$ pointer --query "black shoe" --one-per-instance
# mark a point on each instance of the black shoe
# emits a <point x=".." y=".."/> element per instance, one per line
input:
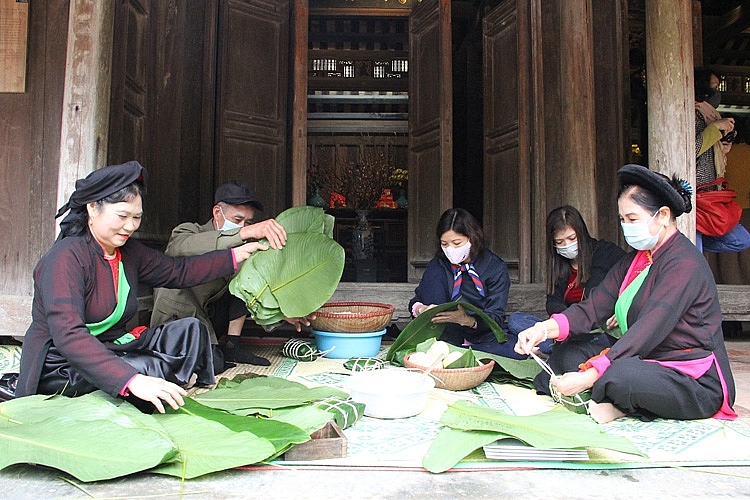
<point x="8" y="383"/>
<point x="220" y="364"/>
<point x="236" y="353"/>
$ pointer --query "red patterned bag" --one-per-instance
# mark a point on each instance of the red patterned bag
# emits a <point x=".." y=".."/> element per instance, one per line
<point x="716" y="212"/>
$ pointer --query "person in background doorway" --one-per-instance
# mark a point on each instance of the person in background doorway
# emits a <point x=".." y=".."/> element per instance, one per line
<point x="712" y="132"/>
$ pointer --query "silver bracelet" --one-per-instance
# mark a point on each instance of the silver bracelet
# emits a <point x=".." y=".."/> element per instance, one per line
<point x="544" y="327"/>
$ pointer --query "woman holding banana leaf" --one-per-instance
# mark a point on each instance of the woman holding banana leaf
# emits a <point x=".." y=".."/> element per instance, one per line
<point x="85" y="292"/>
<point x="465" y="270"/>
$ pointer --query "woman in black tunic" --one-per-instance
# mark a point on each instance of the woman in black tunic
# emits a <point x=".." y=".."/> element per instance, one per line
<point x="670" y="361"/>
<point x="85" y="292"/>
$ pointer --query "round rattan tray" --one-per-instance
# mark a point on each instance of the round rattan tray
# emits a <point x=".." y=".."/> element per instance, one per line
<point x="456" y="379"/>
<point x="352" y="317"/>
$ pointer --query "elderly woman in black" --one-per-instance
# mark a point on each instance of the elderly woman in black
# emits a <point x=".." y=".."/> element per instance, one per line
<point x="670" y="361"/>
<point x="85" y="292"/>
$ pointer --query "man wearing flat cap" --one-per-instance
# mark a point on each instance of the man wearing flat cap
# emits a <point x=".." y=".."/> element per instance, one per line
<point x="233" y="223"/>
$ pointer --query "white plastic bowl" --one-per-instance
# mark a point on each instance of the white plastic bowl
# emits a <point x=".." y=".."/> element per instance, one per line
<point x="390" y="393"/>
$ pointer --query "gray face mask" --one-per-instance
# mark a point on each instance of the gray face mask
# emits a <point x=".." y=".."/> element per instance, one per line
<point x="569" y="252"/>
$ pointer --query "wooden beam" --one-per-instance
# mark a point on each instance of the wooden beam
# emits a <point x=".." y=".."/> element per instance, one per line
<point x="671" y="113"/>
<point x="577" y="89"/>
<point x="298" y="136"/>
<point x="86" y="98"/>
<point x="729" y="25"/>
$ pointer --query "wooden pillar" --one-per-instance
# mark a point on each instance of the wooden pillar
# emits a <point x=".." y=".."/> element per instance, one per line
<point x="577" y="87"/>
<point x="86" y="96"/>
<point x="298" y="138"/>
<point x="671" y="109"/>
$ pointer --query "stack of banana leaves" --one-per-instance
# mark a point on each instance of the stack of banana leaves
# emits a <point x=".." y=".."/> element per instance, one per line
<point x="299" y="278"/>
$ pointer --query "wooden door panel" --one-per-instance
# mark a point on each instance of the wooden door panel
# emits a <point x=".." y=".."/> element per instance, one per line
<point x="251" y="137"/>
<point x="502" y="179"/>
<point x="130" y="90"/>
<point x="430" y="128"/>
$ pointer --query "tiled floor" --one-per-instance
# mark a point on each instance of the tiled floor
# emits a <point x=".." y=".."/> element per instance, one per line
<point x="739" y="357"/>
<point x="24" y="482"/>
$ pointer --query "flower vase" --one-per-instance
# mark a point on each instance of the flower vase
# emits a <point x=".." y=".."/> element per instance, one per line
<point x="362" y="237"/>
<point x="401" y="200"/>
<point x="316" y="200"/>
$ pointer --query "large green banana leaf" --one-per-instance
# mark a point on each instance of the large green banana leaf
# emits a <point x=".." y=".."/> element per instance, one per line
<point x="296" y="280"/>
<point x="306" y="219"/>
<point x="421" y="328"/>
<point x="301" y="277"/>
<point x="206" y="446"/>
<point x="96" y="437"/>
<point x="557" y="428"/>
<point x="280" y="434"/>
<point x="79" y="437"/>
<point x="254" y="395"/>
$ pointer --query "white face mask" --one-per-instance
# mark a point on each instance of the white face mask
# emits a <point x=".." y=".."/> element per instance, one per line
<point x="456" y="255"/>
<point x="228" y="225"/>
<point x="638" y="235"/>
<point x="568" y="251"/>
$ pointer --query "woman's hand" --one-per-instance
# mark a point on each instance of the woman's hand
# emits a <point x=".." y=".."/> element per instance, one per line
<point x="156" y="390"/>
<point x="725" y="125"/>
<point x="458" y="316"/>
<point x="530" y="338"/>
<point x="612" y="322"/>
<point x="574" y="382"/>
<point x="298" y="323"/>
<point x="242" y="252"/>
<point x="419" y="310"/>
<point x="268" y="229"/>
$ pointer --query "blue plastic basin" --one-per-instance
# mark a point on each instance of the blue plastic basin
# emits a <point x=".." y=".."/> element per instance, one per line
<point x="349" y="345"/>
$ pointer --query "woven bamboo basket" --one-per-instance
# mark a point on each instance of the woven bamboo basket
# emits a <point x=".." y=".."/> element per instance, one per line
<point x="352" y="317"/>
<point x="456" y="379"/>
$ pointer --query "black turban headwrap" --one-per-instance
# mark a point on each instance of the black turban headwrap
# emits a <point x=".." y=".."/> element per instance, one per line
<point x="94" y="187"/>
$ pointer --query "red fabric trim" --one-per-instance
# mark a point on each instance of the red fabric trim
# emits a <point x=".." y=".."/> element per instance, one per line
<point x="592" y="362"/>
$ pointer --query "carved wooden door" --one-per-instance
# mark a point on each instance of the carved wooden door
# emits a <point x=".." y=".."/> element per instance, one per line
<point x="251" y="98"/>
<point x="509" y="169"/>
<point x="430" y="128"/>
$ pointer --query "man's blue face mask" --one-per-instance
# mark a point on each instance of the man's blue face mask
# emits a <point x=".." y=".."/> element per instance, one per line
<point x="228" y="225"/>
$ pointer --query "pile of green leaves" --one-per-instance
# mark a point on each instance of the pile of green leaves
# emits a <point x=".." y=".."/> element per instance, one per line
<point x="469" y="427"/>
<point x="296" y="280"/>
<point x="96" y="437"/>
<point x="421" y="329"/>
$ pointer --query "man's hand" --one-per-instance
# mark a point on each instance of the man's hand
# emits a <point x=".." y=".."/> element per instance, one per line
<point x="298" y="323"/>
<point x="269" y="229"/>
<point x="156" y="390"/>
